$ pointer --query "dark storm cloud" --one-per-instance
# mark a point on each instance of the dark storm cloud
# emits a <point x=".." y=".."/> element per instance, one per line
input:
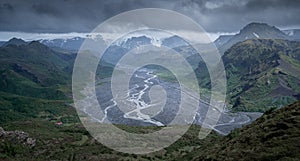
<point x="231" y="15"/>
<point x="83" y="16"/>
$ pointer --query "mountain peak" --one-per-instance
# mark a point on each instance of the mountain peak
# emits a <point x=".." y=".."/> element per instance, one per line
<point x="253" y="30"/>
<point x="257" y="30"/>
<point x="257" y="24"/>
<point x="38" y="45"/>
<point x="260" y="28"/>
<point x="15" y="41"/>
<point x="174" y="41"/>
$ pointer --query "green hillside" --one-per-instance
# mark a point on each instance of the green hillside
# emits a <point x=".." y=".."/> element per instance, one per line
<point x="262" y="74"/>
<point x="35" y="81"/>
<point x="35" y="93"/>
<point x="35" y="62"/>
<point x="274" y="136"/>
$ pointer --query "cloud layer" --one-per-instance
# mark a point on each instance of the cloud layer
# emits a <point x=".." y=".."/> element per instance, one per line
<point x="58" y="16"/>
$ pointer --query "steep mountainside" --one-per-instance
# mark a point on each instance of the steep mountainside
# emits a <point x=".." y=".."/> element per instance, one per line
<point x="274" y="136"/>
<point x="35" y="62"/>
<point x="263" y="74"/>
<point x="34" y="81"/>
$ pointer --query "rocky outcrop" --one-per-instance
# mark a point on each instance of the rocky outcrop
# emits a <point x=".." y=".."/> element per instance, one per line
<point x="17" y="136"/>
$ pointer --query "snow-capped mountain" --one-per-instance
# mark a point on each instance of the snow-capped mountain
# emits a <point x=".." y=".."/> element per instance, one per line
<point x="68" y="44"/>
<point x="294" y="34"/>
<point x="121" y="46"/>
<point x="130" y="41"/>
<point x="221" y="40"/>
<point x="174" y="41"/>
<point x="73" y="43"/>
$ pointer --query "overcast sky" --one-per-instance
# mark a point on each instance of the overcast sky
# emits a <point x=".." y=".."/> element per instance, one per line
<point x="64" y="16"/>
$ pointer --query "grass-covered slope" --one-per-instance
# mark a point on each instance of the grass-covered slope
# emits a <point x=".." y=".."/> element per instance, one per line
<point x="35" y="82"/>
<point x="34" y="96"/>
<point x="262" y="74"/>
<point x="73" y="142"/>
<point x="274" y="136"/>
<point x="13" y="82"/>
<point x="35" y="62"/>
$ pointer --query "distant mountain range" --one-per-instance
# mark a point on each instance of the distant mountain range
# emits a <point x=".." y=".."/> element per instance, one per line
<point x="224" y="42"/>
<point x="262" y="65"/>
<point x="127" y="43"/>
<point x="294" y="34"/>
<point x="67" y="44"/>
<point x="122" y="46"/>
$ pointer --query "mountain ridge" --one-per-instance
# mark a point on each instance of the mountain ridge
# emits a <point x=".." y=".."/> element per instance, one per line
<point x="14" y="41"/>
<point x="253" y="30"/>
